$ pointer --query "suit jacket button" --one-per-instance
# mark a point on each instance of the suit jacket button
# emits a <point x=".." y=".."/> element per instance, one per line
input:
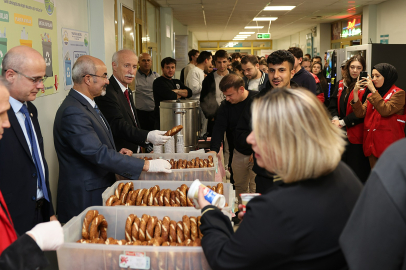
<point x="33" y="198"/>
<point x="34" y="175"/>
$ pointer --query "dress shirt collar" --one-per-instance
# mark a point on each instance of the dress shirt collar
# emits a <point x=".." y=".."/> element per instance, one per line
<point x="91" y="102"/>
<point x="123" y="88"/>
<point x="15" y="104"/>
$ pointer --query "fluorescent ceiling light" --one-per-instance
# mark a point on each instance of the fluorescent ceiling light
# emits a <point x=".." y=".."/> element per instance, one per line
<point x="279" y="7"/>
<point x="242" y="35"/>
<point x="238" y="38"/>
<point x="127" y="29"/>
<point x="253" y="27"/>
<point x="246" y="33"/>
<point x="265" y="18"/>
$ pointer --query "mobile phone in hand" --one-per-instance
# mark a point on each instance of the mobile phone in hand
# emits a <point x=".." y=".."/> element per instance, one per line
<point x="363" y="74"/>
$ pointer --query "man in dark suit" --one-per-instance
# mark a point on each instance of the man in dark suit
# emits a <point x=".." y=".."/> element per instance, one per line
<point x="23" y="169"/>
<point x="118" y="107"/>
<point x="88" y="160"/>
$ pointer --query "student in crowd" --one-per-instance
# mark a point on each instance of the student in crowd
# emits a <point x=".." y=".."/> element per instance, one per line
<point x="308" y="56"/>
<point x="193" y="55"/>
<point x="383" y="110"/>
<point x="344" y="117"/>
<point x="306" y="64"/>
<point x="297" y="224"/>
<point x="316" y="59"/>
<point x="263" y="66"/>
<point x="167" y="88"/>
<point x="254" y="78"/>
<point x="302" y="77"/>
<point x="237" y="69"/>
<point x="316" y="71"/>
<point x="194" y="82"/>
<point x="236" y="57"/>
<point x="227" y="118"/>
<point x="280" y="72"/>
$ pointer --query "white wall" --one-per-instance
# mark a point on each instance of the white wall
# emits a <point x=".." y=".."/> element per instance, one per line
<point x="391" y="21"/>
<point x="70" y="14"/>
<point x="298" y="39"/>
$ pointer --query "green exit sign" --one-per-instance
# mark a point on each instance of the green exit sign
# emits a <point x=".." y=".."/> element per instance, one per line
<point x="263" y="36"/>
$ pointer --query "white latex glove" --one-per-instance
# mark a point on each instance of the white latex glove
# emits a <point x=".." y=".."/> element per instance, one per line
<point x="48" y="235"/>
<point x="342" y="123"/>
<point x="159" y="165"/>
<point x="156" y="137"/>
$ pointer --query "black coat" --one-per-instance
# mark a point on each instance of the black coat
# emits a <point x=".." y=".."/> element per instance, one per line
<point x="375" y="235"/>
<point x="293" y="226"/>
<point x="115" y="108"/>
<point x="18" y="180"/>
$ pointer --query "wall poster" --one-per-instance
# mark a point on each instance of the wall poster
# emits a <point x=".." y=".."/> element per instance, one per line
<point x="75" y="43"/>
<point x="32" y="23"/>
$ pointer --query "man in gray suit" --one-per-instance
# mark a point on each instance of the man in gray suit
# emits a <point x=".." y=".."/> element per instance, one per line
<point x="88" y="160"/>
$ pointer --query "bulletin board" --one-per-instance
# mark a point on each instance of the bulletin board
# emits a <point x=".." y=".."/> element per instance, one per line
<point x="32" y="23"/>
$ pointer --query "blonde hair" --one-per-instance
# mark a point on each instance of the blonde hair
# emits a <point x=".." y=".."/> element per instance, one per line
<point x="298" y="140"/>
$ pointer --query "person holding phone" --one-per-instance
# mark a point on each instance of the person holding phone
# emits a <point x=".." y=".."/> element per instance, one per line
<point x="344" y="117"/>
<point x="297" y="223"/>
<point x="383" y="110"/>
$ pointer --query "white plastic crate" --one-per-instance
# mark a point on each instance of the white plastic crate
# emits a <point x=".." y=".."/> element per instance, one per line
<point x="204" y="174"/>
<point x="78" y="256"/>
<point x="173" y="185"/>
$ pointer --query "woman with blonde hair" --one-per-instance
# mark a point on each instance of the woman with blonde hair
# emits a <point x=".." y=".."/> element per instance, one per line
<point x="296" y="225"/>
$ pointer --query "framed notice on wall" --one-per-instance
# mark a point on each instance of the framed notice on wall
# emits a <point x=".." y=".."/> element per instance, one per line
<point x="32" y="24"/>
<point x="181" y="51"/>
<point x="75" y="43"/>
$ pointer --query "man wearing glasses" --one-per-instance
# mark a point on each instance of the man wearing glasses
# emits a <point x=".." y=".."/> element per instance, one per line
<point x="88" y="159"/>
<point x="23" y="169"/>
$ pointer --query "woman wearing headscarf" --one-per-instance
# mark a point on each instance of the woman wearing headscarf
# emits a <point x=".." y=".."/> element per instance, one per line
<point x="383" y="110"/>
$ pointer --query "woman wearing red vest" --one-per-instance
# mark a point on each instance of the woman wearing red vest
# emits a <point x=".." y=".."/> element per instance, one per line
<point x="383" y="111"/>
<point x="344" y="117"/>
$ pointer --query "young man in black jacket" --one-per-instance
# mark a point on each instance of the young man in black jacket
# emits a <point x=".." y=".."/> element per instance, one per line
<point x="280" y="70"/>
<point x="166" y="88"/>
<point x="302" y="77"/>
<point x="228" y="115"/>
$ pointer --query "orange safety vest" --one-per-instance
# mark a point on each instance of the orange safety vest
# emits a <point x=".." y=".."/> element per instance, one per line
<point x="355" y="133"/>
<point x="379" y="131"/>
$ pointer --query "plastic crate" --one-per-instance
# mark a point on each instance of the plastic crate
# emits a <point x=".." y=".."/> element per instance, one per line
<point x="78" y="256"/>
<point x="204" y="174"/>
<point x="173" y="185"/>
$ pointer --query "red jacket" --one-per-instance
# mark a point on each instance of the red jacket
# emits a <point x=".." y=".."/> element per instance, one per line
<point x="380" y="132"/>
<point x="7" y="232"/>
<point x="320" y="96"/>
<point x="354" y="133"/>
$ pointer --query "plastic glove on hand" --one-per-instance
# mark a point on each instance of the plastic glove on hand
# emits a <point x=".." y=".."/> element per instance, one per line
<point x="48" y="235"/>
<point x="156" y="137"/>
<point x="159" y="165"/>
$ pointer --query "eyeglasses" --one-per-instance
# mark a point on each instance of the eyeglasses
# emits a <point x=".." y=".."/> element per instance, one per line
<point x="104" y="76"/>
<point x="35" y="80"/>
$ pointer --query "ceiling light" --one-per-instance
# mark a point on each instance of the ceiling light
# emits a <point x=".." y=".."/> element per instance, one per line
<point x="127" y="29"/>
<point x="246" y="33"/>
<point x="242" y="35"/>
<point x="265" y="18"/>
<point x="279" y="7"/>
<point x="253" y="27"/>
<point x="238" y="38"/>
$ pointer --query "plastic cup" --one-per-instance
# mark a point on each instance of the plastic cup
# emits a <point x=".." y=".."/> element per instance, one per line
<point x="211" y="196"/>
<point x="246" y="197"/>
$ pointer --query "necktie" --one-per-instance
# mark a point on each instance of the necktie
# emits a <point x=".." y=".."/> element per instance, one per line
<point x="35" y="155"/>
<point x="100" y="114"/>
<point x="127" y="96"/>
